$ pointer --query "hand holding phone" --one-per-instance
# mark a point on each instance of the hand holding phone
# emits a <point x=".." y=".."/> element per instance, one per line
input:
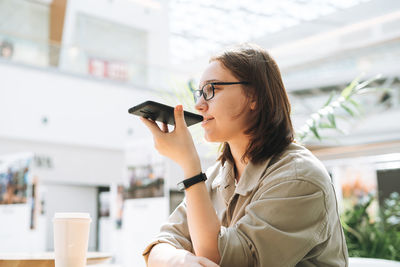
<point x="162" y="113"/>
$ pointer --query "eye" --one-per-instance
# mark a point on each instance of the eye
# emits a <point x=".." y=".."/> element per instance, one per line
<point x="208" y="89"/>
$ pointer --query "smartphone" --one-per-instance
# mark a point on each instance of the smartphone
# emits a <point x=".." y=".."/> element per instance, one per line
<point x="162" y="113"/>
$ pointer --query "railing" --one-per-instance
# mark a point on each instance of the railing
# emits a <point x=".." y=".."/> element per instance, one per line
<point x="75" y="60"/>
<point x="342" y="67"/>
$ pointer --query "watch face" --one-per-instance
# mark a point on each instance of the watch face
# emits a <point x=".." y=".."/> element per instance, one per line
<point x="181" y="186"/>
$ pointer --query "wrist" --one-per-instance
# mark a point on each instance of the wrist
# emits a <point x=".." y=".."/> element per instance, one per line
<point x="191" y="172"/>
<point x="187" y="183"/>
<point x="192" y="169"/>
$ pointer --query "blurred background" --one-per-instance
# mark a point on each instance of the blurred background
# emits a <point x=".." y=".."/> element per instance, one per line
<point x="71" y="69"/>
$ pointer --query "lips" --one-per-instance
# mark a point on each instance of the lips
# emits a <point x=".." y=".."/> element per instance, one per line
<point x="206" y="120"/>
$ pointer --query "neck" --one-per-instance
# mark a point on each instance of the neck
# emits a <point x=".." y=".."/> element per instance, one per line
<point x="238" y="149"/>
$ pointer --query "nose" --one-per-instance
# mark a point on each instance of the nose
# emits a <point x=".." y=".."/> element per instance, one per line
<point x="201" y="105"/>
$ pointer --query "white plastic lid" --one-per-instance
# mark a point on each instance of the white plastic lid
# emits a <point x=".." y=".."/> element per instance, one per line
<point x="71" y="215"/>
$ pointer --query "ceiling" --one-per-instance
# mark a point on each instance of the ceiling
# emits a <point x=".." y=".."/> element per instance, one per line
<point x="199" y="28"/>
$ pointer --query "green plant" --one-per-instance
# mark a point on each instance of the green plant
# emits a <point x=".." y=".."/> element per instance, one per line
<point x="325" y="117"/>
<point x="378" y="238"/>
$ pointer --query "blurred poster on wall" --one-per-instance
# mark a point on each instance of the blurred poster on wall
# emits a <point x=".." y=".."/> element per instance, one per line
<point x="18" y="185"/>
<point x="145" y="181"/>
<point x="114" y="70"/>
<point x="15" y="178"/>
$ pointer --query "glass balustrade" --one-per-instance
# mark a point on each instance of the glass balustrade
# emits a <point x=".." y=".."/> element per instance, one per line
<point x="78" y="61"/>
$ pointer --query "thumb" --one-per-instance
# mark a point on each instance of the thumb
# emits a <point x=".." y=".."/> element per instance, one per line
<point x="179" y="117"/>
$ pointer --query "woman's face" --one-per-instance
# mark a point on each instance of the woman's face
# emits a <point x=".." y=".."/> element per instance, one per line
<point x="225" y="114"/>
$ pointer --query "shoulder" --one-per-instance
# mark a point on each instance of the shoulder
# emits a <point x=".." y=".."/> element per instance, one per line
<point x="296" y="163"/>
<point x="295" y="172"/>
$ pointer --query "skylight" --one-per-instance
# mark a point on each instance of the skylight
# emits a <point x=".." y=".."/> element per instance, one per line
<point x="200" y="27"/>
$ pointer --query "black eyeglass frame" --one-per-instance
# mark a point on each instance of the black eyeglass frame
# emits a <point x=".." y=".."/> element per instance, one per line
<point x="198" y="93"/>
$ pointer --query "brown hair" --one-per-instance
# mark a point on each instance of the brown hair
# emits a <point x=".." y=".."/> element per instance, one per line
<point x="270" y="128"/>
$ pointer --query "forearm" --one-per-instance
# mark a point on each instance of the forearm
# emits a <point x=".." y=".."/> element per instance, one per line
<point x="203" y="223"/>
<point x="160" y="255"/>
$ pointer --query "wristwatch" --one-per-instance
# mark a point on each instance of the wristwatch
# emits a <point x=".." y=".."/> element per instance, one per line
<point x="185" y="184"/>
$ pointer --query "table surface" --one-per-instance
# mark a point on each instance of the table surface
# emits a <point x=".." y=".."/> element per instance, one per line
<point x="44" y="259"/>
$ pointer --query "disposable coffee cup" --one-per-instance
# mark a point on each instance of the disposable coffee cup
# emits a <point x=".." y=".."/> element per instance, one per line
<point x="71" y="238"/>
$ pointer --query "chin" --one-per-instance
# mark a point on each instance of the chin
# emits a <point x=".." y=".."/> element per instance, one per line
<point x="207" y="137"/>
<point x="212" y="139"/>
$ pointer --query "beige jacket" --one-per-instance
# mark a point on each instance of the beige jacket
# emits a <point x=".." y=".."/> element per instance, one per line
<point x="282" y="212"/>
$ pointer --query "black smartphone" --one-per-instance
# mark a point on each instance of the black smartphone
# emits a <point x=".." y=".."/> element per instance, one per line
<point x="162" y="113"/>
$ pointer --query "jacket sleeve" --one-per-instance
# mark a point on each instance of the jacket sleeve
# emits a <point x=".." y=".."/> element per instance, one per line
<point x="174" y="232"/>
<point x="279" y="227"/>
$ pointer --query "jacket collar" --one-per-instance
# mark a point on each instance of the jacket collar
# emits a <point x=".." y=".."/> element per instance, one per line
<point x="250" y="177"/>
<point x="225" y="180"/>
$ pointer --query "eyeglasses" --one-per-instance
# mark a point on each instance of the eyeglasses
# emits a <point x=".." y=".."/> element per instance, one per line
<point x="207" y="91"/>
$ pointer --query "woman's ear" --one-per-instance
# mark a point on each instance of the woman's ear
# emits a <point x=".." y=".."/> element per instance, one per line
<point x="253" y="105"/>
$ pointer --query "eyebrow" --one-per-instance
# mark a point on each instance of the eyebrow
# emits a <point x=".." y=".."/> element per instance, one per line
<point x="208" y="81"/>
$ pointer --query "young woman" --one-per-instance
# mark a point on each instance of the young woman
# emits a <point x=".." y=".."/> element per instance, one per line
<point x="267" y="201"/>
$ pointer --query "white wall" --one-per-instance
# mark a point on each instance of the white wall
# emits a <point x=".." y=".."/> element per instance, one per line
<point x="15" y="234"/>
<point x="80" y="111"/>
<point x="70" y="164"/>
<point x="141" y="222"/>
<point x="130" y="13"/>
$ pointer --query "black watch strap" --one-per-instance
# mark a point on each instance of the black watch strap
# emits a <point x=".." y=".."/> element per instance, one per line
<point x="185" y="184"/>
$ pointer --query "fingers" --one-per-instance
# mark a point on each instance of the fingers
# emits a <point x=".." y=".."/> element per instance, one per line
<point x="152" y="125"/>
<point x="179" y="117"/>
<point x="165" y="127"/>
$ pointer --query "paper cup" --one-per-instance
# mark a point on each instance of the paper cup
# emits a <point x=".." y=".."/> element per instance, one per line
<point x="71" y="238"/>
